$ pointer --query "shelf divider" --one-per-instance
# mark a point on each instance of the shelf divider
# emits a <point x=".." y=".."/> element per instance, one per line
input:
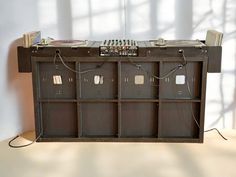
<point x="181" y="100"/>
<point x="78" y="96"/>
<point x="140" y="100"/>
<point x="119" y="98"/>
<point x="203" y="97"/>
<point x="160" y="102"/>
<point x="97" y="100"/>
<point x="57" y="100"/>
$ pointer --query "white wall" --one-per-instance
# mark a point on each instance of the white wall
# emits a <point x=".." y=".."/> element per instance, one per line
<point x="103" y="19"/>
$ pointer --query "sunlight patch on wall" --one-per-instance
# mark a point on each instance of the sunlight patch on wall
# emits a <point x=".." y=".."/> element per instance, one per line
<point x="48" y="17"/>
<point x="80" y="29"/>
<point x="96" y="19"/>
<point x="80" y="19"/>
<point x="139" y="14"/>
<point x="106" y="23"/>
<point x="99" y="6"/>
<point x="106" y="19"/>
<point x="79" y="8"/>
<point x="165" y="18"/>
<point x="221" y="93"/>
<point x="207" y="15"/>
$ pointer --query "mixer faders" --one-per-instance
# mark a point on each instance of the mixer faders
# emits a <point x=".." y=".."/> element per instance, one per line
<point x="119" y="47"/>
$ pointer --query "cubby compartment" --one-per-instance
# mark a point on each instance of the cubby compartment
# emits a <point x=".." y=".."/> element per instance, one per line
<point x="98" y="80"/>
<point x="137" y="81"/>
<point x="119" y="98"/>
<point x="184" y="83"/>
<point x="179" y="120"/>
<point x="56" y="81"/>
<point x="59" y="120"/>
<point x="139" y="119"/>
<point x="99" y="119"/>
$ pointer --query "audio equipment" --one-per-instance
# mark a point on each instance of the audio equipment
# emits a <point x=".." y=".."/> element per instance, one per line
<point x="119" y="47"/>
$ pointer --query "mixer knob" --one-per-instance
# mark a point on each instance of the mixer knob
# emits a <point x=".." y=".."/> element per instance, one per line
<point x="120" y="42"/>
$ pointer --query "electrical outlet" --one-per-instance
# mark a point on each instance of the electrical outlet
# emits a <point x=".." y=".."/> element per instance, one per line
<point x="57" y="80"/>
<point x="180" y="79"/>
<point x="98" y="79"/>
<point x="139" y="79"/>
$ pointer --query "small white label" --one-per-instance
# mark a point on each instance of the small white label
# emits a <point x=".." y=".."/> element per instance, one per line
<point x="139" y="79"/>
<point x="57" y="80"/>
<point x="180" y="79"/>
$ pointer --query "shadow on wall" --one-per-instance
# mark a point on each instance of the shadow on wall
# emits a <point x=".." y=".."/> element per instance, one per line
<point x="21" y="85"/>
<point x="228" y="9"/>
<point x="161" y="24"/>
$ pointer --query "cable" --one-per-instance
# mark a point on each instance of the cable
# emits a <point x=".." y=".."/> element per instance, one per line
<point x="21" y="146"/>
<point x="217" y="132"/>
<point x="57" y="54"/>
<point x="189" y="91"/>
<point x="188" y="88"/>
<point x="181" y="51"/>
<point x="172" y="71"/>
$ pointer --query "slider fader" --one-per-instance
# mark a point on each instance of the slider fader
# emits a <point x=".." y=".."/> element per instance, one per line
<point x="118" y="47"/>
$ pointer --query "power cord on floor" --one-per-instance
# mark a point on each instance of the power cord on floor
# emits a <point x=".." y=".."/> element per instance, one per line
<point x="217" y="132"/>
<point x="181" y="51"/>
<point x="21" y="146"/>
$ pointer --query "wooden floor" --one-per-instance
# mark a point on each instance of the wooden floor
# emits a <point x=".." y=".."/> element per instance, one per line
<point x="214" y="158"/>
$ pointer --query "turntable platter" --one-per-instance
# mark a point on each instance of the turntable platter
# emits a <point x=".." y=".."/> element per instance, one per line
<point x="68" y="43"/>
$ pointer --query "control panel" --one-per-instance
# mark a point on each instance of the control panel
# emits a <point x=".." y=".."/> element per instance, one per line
<point x="118" y="47"/>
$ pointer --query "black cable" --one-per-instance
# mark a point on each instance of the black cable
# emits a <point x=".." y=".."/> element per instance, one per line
<point x="217" y="132"/>
<point x="181" y="51"/>
<point x="58" y="55"/>
<point x="21" y="146"/>
<point x="170" y="72"/>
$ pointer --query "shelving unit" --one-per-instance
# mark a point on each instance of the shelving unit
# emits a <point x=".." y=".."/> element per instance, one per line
<point x="120" y="99"/>
<point x="118" y="109"/>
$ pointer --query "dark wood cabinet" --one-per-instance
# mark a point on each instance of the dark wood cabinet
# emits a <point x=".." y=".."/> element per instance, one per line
<point x="126" y="103"/>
